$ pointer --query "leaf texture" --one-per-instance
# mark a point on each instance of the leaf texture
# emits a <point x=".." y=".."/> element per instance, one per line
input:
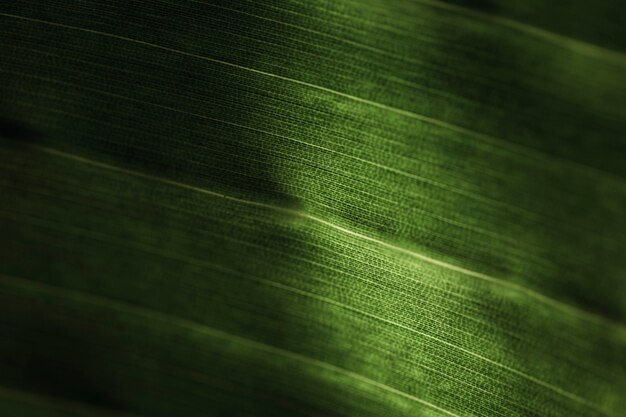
<point x="317" y="208"/>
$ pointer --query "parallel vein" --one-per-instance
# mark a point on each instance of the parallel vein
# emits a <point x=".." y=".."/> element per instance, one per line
<point x="405" y="113"/>
<point x="212" y="332"/>
<point x="298" y="213"/>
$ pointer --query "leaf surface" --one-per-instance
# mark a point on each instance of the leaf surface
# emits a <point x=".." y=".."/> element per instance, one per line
<point x="318" y="208"/>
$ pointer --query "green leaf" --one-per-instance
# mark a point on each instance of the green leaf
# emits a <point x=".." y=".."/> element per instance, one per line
<point x="319" y="208"/>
